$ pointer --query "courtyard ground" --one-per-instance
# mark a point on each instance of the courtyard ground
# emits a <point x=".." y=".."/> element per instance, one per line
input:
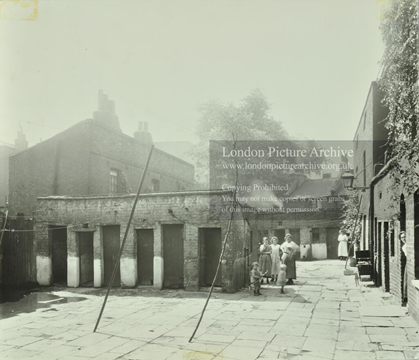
<point x="323" y="316"/>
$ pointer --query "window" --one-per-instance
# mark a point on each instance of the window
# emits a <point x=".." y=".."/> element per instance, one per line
<point x="402" y="217"/>
<point x="155" y="185"/>
<point x="315" y="235"/>
<point x="391" y="238"/>
<point x="114" y="181"/>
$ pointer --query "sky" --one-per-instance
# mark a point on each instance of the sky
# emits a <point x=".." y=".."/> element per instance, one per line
<point x="159" y="60"/>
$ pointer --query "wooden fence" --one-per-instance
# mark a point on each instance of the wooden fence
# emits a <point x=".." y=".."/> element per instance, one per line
<point x="18" y="253"/>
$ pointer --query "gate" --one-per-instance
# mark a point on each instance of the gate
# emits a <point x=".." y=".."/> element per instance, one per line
<point x="145" y="256"/>
<point x="111" y="245"/>
<point x="19" y="261"/>
<point x="210" y="251"/>
<point x="173" y="256"/>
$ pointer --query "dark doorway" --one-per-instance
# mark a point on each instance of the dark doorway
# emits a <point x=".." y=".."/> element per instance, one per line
<point x="210" y="251"/>
<point x="386" y="242"/>
<point x="85" y="240"/>
<point x="280" y="234"/>
<point x="416" y="233"/>
<point x="58" y="235"/>
<point x="173" y="256"/>
<point x="402" y="220"/>
<point x="364" y="232"/>
<point x="145" y="256"/>
<point x="379" y="257"/>
<point x="332" y="242"/>
<point x="111" y="246"/>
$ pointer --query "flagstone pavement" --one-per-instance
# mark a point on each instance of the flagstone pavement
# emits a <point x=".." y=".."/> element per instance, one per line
<point x="323" y="316"/>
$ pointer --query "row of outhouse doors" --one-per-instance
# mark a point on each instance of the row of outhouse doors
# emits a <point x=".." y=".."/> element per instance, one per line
<point x="173" y="254"/>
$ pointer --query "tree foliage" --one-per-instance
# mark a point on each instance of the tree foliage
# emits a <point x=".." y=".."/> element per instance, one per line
<point x="123" y="184"/>
<point x="399" y="83"/>
<point x="251" y="124"/>
<point x="352" y="223"/>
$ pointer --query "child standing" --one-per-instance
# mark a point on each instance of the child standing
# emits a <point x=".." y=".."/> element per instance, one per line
<point x="282" y="277"/>
<point x="255" y="278"/>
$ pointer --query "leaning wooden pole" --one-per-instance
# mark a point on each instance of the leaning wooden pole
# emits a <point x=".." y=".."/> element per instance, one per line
<point x="223" y="249"/>
<point x="118" y="260"/>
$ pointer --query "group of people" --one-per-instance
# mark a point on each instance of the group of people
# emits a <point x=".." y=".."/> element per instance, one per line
<point x="276" y="263"/>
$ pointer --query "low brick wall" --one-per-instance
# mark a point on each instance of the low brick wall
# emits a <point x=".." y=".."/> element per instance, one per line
<point x="194" y="210"/>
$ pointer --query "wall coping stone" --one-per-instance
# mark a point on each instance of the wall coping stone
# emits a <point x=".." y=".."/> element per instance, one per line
<point x="164" y="194"/>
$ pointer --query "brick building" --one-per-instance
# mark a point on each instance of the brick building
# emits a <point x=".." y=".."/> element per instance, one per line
<point x="174" y="241"/>
<point x="93" y="157"/>
<point x="369" y="153"/>
<point x="382" y="217"/>
<point x="390" y="218"/>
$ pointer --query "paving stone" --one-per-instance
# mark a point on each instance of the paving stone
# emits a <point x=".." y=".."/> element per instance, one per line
<point x="314" y="345"/>
<point x="385" y="331"/>
<point x="216" y="338"/>
<point x="349" y="355"/>
<point x="388" y="339"/>
<point x="288" y="340"/>
<point x="240" y="353"/>
<point x="356" y="346"/>
<point x="316" y="355"/>
<point x="382" y="311"/>
<point x="255" y="336"/>
<point x="21" y="341"/>
<point x="268" y="354"/>
<point x="271" y="326"/>
<point x="249" y="343"/>
<point x="389" y="355"/>
<point x="88" y="340"/>
<point x="129" y="346"/>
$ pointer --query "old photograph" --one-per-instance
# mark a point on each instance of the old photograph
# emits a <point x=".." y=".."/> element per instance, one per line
<point x="207" y="180"/>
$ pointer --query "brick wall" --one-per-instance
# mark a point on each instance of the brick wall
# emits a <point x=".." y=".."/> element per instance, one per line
<point x="78" y="162"/>
<point x="192" y="209"/>
<point x="387" y="209"/>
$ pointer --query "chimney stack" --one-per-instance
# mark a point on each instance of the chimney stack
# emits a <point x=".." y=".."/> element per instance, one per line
<point x="142" y="135"/>
<point x="105" y="114"/>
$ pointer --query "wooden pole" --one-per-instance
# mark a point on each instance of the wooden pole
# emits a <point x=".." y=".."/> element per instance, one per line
<point x="125" y="237"/>
<point x="224" y="246"/>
